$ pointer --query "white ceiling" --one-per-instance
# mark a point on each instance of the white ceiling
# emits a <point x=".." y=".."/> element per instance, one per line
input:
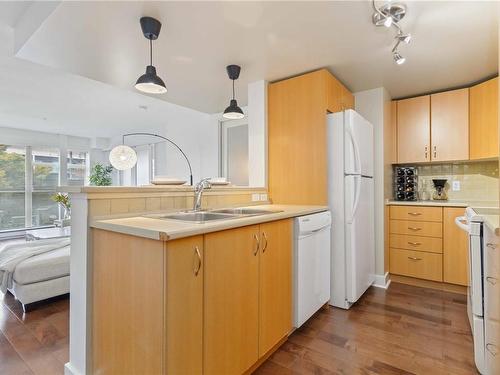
<point x="11" y="11"/>
<point x="50" y="100"/>
<point x="454" y="43"/>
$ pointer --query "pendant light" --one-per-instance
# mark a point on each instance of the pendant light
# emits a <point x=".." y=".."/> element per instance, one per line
<point x="233" y="112"/>
<point x="149" y="82"/>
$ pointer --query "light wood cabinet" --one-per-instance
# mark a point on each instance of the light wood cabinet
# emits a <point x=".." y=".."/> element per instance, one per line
<point x="414" y="130"/>
<point x="127" y="307"/>
<point x="297" y="109"/>
<point x="184" y="306"/>
<point x="483" y="120"/>
<point x="231" y="301"/>
<point x="450" y="125"/>
<point x="419" y="264"/>
<point x="416" y="213"/>
<point x="275" y="283"/>
<point x="416" y="228"/>
<point x="455" y="248"/>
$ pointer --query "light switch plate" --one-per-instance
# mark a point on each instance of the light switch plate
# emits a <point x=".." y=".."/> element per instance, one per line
<point x="255" y="197"/>
<point x="263" y="197"/>
<point x="456" y="186"/>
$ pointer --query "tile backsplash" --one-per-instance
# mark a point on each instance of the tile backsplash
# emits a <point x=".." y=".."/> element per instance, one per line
<point x="478" y="180"/>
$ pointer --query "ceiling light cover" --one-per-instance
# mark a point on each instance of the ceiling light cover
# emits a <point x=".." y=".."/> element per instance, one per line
<point x="233" y="112"/>
<point x="150" y="83"/>
<point x="123" y="157"/>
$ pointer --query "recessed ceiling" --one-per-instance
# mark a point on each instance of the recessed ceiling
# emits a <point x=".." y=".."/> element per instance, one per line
<point x="454" y="43"/>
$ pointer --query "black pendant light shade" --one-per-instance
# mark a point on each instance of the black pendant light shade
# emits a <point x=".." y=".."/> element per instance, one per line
<point x="149" y="82"/>
<point x="233" y="112"/>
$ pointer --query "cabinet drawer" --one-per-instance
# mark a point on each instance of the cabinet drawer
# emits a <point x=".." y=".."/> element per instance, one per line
<point x="416" y="213"/>
<point x="428" y="266"/>
<point x="416" y="228"/>
<point x="492" y="352"/>
<point x="420" y="243"/>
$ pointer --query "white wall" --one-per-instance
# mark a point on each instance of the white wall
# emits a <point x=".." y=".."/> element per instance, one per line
<point x="257" y="134"/>
<point x="372" y="105"/>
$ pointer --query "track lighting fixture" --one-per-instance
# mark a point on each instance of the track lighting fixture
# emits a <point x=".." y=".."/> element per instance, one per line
<point x="398" y="58"/>
<point x="149" y="82"/>
<point x="233" y="112"/>
<point x="389" y="15"/>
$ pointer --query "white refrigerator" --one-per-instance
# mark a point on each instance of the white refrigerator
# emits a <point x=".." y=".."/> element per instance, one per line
<point x="351" y="201"/>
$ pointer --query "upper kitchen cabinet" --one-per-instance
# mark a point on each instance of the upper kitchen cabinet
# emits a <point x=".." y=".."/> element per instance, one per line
<point x="450" y="125"/>
<point x="297" y="109"/>
<point x="483" y="119"/>
<point x="414" y="130"/>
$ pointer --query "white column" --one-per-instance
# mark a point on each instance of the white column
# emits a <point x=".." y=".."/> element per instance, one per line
<point x="79" y="311"/>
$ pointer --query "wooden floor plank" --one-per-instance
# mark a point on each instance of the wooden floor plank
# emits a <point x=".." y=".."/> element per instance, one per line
<point x="400" y="331"/>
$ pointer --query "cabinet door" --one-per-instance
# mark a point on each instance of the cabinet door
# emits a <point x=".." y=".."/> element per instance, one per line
<point x="275" y="283"/>
<point x="455" y="248"/>
<point x="483" y="118"/>
<point x="231" y="310"/>
<point x="414" y="130"/>
<point x="184" y="306"/>
<point x="450" y="125"/>
<point x="127" y="304"/>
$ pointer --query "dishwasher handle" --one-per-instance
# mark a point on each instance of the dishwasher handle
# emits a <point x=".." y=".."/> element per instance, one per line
<point x="313" y="232"/>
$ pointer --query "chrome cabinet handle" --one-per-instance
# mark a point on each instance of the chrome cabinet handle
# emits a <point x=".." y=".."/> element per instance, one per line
<point x="491" y="245"/>
<point x="425" y="149"/>
<point x="412" y="258"/>
<point x="492" y="348"/>
<point x="198" y="258"/>
<point x="257" y="242"/>
<point x="265" y="243"/>
<point x="435" y="151"/>
<point x="415" y="213"/>
<point x="491" y="280"/>
<point x="413" y="228"/>
<point x="414" y="243"/>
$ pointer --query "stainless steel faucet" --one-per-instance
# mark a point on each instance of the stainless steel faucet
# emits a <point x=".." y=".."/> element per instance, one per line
<point x="198" y="191"/>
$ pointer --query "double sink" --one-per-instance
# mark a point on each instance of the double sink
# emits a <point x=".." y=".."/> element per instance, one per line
<point x="201" y="217"/>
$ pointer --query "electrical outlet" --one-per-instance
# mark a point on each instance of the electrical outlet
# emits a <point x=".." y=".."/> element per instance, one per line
<point x="456" y="185"/>
<point x="255" y="197"/>
<point x="263" y="197"/>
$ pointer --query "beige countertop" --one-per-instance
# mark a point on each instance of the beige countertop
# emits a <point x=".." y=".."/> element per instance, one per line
<point x="448" y="203"/>
<point x="165" y="229"/>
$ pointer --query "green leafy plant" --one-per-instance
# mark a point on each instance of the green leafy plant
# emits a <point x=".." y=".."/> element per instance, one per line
<point x="100" y="175"/>
<point x="62" y="199"/>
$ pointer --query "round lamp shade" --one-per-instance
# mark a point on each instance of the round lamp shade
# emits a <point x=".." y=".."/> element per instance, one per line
<point x="123" y="157"/>
<point x="150" y="83"/>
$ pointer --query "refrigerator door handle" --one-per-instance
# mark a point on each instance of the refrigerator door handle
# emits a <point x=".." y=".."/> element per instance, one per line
<point x="357" y="189"/>
<point x="357" y="158"/>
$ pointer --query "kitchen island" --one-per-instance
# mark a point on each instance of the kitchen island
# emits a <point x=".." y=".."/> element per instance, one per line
<point x="176" y="297"/>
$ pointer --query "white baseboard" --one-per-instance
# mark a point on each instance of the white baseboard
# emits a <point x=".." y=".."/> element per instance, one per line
<point x="382" y="281"/>
<point x="70" y="370"/>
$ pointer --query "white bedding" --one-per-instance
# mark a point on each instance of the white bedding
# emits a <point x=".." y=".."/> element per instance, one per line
<point x="12" y="255"/>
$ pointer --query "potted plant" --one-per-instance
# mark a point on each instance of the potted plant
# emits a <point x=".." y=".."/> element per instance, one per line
<point x="100" y="175"/>
<point x="63" y="200"/>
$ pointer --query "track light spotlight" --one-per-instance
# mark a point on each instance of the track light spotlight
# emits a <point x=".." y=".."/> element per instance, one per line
<point x="404" y="37"/>
<point x="398" y="58"/>
<point x="388" y="21"/>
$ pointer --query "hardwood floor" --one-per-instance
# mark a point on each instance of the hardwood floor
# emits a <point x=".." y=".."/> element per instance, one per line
<point x="404" y="330"/>
<point x="36" y="342"/>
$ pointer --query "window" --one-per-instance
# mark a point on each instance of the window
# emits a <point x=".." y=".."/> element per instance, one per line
<point x="76" y="168"/>
<point x="29" y="176"/>
<point x="12" y="187"/>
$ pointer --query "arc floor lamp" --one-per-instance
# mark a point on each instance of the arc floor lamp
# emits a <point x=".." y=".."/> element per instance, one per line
<point x="124" y="157"/>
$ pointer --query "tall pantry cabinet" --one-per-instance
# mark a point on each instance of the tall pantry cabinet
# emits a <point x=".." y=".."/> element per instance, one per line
<point x="297" y="143"/>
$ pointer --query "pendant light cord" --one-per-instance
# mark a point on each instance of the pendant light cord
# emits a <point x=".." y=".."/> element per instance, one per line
<point x="233" y="89"/>
<point x="150" y="51"/>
